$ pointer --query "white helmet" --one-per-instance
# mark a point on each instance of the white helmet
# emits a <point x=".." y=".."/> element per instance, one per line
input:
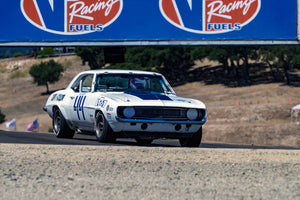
<point x="137" y="83"/>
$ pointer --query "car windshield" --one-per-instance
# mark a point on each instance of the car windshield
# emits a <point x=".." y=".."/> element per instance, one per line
<point x="135" y="82"/>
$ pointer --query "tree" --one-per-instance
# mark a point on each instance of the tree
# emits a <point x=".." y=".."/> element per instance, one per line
<point x="233" y="58"/>
<point x="18" y="54"/>
<point x="243" y="54"/>
<point x="142" y="56"/>
<point x="93" y="55"/>
<point x="46" y="72"/>
<point x="281" y="57"/>
<point x="173" y="62"/>
<point x="46" y="52"/>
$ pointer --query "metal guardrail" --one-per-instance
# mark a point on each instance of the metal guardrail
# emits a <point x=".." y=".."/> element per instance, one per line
<point x="56" y="55"/>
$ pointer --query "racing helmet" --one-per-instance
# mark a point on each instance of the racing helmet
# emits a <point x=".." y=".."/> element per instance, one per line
<point x="137" y="83"/>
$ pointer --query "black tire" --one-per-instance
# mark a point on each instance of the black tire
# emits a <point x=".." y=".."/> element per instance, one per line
<point x="104" y="133"/>
<point x="143" y="142"/>
<point x="194" y="141"/>
<point x="60" y="127"/>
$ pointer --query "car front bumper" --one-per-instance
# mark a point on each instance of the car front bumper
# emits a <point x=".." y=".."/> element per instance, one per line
<point x="150" y="126"/>
<point x="160" y="121"/>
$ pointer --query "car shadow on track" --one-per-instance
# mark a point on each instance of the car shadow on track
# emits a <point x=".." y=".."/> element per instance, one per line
<point x="175" y="144"/>
<point x="45" y="138"/>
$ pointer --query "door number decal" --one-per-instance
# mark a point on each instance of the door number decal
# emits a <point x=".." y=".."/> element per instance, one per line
<point x="78" y="106"/>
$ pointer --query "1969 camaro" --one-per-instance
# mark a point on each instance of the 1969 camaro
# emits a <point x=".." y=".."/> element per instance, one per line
<point x="125" y="104"/>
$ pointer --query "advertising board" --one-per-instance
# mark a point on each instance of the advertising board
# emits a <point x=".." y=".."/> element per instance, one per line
<point x="147" y="22"/>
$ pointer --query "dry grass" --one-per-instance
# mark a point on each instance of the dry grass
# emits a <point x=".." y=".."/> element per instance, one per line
<point x="21" y="98"/>
<point x="262" y="117"/>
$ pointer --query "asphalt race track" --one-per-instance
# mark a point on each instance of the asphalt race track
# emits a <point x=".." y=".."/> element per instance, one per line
<point x="80" y="139"/>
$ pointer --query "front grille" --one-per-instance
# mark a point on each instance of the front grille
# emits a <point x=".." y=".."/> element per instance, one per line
<point x="160" y="113"/>
<point x="163" y="113"/>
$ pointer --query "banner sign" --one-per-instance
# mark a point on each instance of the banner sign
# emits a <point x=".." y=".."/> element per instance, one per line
<point x="157" y="21"/>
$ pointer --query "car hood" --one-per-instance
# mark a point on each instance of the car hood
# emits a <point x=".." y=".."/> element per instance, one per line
<point x="146" y="98"/>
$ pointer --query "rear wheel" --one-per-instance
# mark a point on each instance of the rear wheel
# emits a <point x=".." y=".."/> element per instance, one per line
<point x="194" y="141"/>
<point x="60" y="127"/>
<point x="104" y="133"/>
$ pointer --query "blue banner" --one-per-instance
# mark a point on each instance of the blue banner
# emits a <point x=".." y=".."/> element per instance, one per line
<point x="147" y="20"/>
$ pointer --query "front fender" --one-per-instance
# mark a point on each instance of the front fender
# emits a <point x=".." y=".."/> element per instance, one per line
<point x="58" y="100"/>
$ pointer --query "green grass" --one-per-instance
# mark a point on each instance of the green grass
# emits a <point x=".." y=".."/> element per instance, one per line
<point x="18" y="74"/>
<point x="3" y="70"/>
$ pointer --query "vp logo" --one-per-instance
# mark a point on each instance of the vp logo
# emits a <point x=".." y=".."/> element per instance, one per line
<point x="45" y="14"/>
<point x="209" y="16"/>
<point x="71" y="17"/>
<point x="78" y="106"/>
<point x="185" y="14"/>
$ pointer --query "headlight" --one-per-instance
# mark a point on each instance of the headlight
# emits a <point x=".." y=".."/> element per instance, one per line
<point x="200" y="115"/>
<point x="192" y="114"/>
<point x="129" y="112"/>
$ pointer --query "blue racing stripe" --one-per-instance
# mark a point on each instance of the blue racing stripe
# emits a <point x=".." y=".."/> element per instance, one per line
<point x="149" y="95"/>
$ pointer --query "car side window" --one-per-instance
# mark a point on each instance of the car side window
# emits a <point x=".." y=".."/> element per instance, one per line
<point x="87" y="81"/>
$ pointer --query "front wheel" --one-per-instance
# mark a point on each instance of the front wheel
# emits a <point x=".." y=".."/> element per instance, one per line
<point x="104" y="133"/>
<point x="194" y="141"/>
<point x="60" y="127"/>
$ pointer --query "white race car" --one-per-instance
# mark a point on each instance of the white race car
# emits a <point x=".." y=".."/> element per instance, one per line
<point x="125" y="104"/>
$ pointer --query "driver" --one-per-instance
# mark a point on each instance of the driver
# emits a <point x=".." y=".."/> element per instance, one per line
<point x="137" y="83"/>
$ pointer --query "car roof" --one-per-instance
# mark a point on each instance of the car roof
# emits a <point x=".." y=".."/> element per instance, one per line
<point x="115" y="71"/>
<point x="119" y="71"/>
